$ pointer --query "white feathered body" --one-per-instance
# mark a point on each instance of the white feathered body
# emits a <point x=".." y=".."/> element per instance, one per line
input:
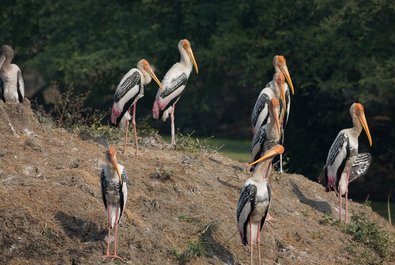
<point x="12" y="82"/>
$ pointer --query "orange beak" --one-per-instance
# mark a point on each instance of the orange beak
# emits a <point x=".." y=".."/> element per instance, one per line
<point x="150" y="71"/>
<point x="362" y="119"/>
<point x="276" y="150"/>
<point x="284" y="70"/>
<point x="190" y="54"/>
<point x="114" y="163"/>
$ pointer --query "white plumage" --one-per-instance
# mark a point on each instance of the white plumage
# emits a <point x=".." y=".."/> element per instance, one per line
<point x="114" y="193"/>
<point x="128" y="92"/>
<point x="254" y="202"/>
<point x="174" y="84"/>
<point x="343" y="163"/>
<point x="12" y="87"/>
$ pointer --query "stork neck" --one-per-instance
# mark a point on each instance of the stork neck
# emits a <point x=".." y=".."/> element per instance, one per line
<point x="185" y="60"/>
<point x="146" y="77"/>
<point x="357" y="128"/>
<point x="5" y="62"/>
<point x="262" y="170"/>
<point x="112" y="174"/>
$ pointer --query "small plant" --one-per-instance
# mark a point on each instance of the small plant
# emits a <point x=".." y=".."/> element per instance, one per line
<point x="186" y="218"/>
<point x="328" y="219"/>
<point x="194" y="249"/>
<point x="193" y="145"/>
<point x="369" y="233"/>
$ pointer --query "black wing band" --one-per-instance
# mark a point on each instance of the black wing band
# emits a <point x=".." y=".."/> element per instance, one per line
<point x="123" y="88"/>
<point x="103" y="187"/>
<point x="175" y="83"/>
<point x="360" y="166"/>
<point x="262" y="101"/>
<point x="247" y="196"/>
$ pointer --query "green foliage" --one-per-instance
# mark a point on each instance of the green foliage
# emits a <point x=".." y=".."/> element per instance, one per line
<point x="194" y="249"/>
<point x="369" y="233"/>
<point x="193" y="145"/>
<point x="328" y="219"/>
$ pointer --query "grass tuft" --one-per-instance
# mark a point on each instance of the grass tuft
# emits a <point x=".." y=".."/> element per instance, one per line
<point x="369" y="233"/>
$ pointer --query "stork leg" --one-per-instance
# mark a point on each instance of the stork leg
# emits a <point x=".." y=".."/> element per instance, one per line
<point x="126" y="134"/>
<point x="134" y="127"/>
<point x="346" y="210"/>
<point x="258" y="241"/>
<point x="281" y="163"/>
<point x="109" y="234"/>
<point x="116" y="239"/>
<point x="250" y="243"/>
<point x="173" y="133"/>
<point x="340" y="207"/>
<point x="115" y="255"/>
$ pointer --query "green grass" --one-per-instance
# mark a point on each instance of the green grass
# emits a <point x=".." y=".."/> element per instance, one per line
<point x="235" y="149"/>
<point x="381" y="208"/>
<point x="370" y="234"/>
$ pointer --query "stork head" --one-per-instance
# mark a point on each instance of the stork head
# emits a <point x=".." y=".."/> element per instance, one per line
<point x="358" y="111"/>
<point x="276" y="150"/>
<point x="186" y="45"/>
<point x="144" y="66"/>
<point x="112" y="159"/>
<point x="274" y="108"/>
<point x="280" y="65"/>
<point x="7" y="53"/>
<point x="279" y="82"/>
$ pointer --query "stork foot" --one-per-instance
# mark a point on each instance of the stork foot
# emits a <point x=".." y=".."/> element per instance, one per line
<point x="112" y="257"/>
<point x="270" y="218"/>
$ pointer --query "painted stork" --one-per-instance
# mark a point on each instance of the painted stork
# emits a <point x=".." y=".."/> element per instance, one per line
<point x="114" y="192"/>
<point x="254" y="201"/>
<point x="128" y="92"/>
<point x="269" y="134"/>
<point x="12" y="87"/>
<point x="343" y="163"/>
<point x="260" y="113"/>
<point x="174" y="84"/>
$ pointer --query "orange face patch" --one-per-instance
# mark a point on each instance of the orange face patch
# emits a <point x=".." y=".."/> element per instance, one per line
<point x="358" y="108"/>
<point x="111" y="152"/>
<point x="280" y="60"/>
<point x="186" y="44"/>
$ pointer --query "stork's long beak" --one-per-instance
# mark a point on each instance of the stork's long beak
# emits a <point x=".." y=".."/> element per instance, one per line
<point x="114" y="163"/>
<point x="277" y="121"/>
<point x="284" y="70"/>
<point x="276" y="150"/>
<point x="364" y="123"/>
<point x="282" y="95"/>
<point x="152" y="74"/>
<point x="190" y="54"/>
<point x="2" y="59"/>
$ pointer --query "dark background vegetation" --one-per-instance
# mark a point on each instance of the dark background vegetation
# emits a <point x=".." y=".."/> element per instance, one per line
<point x="338" y="52"/>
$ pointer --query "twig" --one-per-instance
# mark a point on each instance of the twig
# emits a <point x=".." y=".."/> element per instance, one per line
<point x="389" y="208"/>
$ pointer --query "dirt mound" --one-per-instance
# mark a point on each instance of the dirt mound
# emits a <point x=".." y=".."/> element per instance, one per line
<point x="180" y="209"/>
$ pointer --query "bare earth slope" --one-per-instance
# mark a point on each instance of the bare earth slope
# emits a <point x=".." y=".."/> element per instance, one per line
<point x="180" y="210"/>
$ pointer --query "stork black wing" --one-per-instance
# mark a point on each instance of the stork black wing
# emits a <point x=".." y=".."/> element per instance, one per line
<point x="341" y="142"/>
<point x="103" y="187"/>
<point x="269" y="198"/>
<point x="245" y="206"/>
<point x="181" y="80"/>
<point x="360" y="166"/>
<point x="20" y="86"/>
<point x="123" y="192"/>
<point x="1" y="89"/>
<point x="261" y="103"/>
<point x="258" y="142"/>
<point x="133" y="80"/>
